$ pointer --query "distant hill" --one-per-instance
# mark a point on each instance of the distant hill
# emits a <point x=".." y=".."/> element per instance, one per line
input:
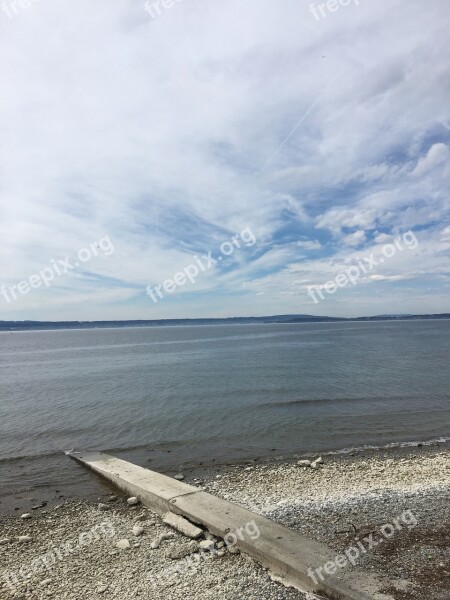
<point x="34" y="325"/>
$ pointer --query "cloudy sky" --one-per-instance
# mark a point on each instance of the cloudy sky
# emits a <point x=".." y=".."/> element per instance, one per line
<point x="166" y="131"/>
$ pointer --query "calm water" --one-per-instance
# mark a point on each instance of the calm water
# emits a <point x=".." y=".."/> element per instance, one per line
<point x="178" y="395"/>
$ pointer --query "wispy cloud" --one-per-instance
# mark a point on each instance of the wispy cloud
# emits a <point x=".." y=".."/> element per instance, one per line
<point x="171" y="135"/>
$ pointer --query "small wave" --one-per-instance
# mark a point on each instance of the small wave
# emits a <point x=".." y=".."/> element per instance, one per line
<point x="408" y="444"/>
<point x="29" y="457"/>
<point x="334" y="399"/>
<point x="9" y="492"/>
<point x="299" y="401"/>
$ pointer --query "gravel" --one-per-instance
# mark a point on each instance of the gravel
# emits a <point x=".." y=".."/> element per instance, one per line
<point x="347" y="497"/>
<point x="99" y="569"/>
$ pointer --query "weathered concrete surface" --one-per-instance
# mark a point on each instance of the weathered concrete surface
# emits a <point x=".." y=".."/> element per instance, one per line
<point x="182" y="525"/>
<point x="287" y="554"/>
<point x="153" y="489"/>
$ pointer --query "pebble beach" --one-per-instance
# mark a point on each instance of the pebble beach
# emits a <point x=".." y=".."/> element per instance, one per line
<point x="108" y="548"/>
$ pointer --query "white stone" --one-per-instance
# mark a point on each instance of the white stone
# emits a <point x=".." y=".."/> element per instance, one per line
<point x="304" y="463"/>
<point x="46" y="582"/>
<point x="138" y="530"/>
<point x="180" y="552"/>
<point x="179" y="477"/>
<point x="164" y="536"/>
<point x="206" y="544"/>
<point x="102" y="506"/>
<point x="140" y="518"/>
<point x="182" y="525"/>
<point x="123" y="544"/>
<point x="101" y="589"/>
<point x="317" y="463"/>
<point x="133" y="501"/>
<point x="26" y="516"/>
<point x="24" y="539"/>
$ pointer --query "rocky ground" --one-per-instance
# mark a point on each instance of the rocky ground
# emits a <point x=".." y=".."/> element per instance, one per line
<point x="349" y="498"/>
<point x="80" y="550"/>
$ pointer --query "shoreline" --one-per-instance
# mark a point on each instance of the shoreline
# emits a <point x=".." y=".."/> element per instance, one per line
<point x="22" y="500"/>
<point x="351" y="496"/>
<point x="18" y="326"/>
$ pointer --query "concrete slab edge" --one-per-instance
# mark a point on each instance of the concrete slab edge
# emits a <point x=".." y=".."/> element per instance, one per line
<point x="167" y="494"/>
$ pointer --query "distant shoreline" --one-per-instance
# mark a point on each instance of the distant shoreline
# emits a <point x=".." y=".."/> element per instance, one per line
<point x="274" y="319"/>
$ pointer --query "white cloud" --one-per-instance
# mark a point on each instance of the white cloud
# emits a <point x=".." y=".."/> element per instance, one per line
<point x="436" y="155"/>
<point x="354" y="239"/>
<point x="310" y="245"/>
<point x="383" y="238"/>
<point x="157" y="133"/>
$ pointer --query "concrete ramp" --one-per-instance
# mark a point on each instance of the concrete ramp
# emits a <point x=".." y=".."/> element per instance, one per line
<point x="285" y="553"/>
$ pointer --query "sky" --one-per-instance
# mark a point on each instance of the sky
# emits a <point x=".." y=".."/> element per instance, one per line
<point x="303" y="147"/>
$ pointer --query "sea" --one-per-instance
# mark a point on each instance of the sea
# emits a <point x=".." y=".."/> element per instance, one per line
<point x="173" y="397"/>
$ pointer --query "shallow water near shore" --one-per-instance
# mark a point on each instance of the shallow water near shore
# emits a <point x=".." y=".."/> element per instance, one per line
<point x="170" y="396"/>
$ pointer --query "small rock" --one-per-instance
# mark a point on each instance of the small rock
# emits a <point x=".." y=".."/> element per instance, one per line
<point x="112" y="498"/>
<point x="206" y="545"/>
<point x="26" y="516"/>
<point x="102" y="506"/>
<point x="304" y="463"/>
<point x="164" y="536"/>
<point x="133" y="501"/>
<point x="24" y="539"/>
<point x="123" y="544"/>
<point x="233" y="550"/>
<point x="182" y="525"/>
<point x="221" y="552"/>
<point x="46" y="582"/>
<point x="5" y="541"/>
<point x="179" y="477"/>
<point x="319" y="460"/>
<point x="138" y="530"/>
<point x="182" y="551"/>
<point x="101" y="589"/>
